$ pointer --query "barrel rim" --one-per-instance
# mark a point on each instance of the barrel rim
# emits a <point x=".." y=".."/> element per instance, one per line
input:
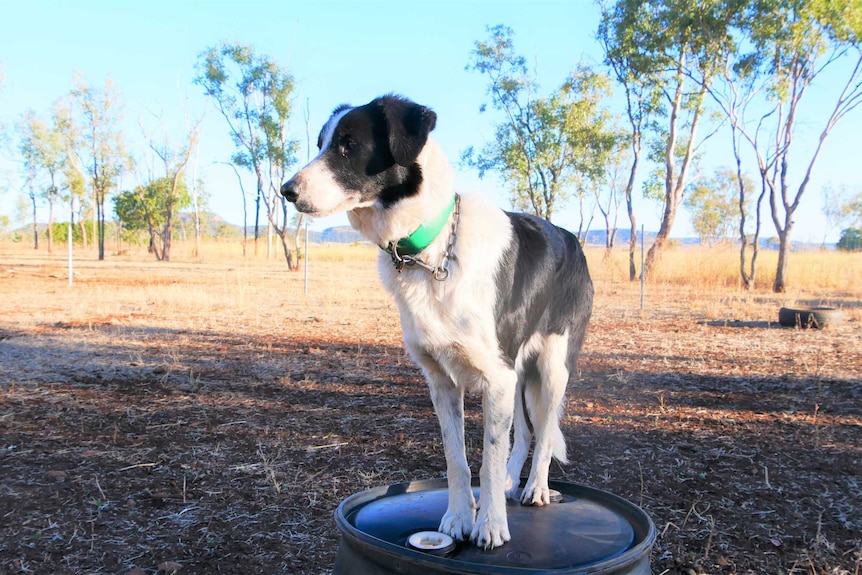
<point x="357" y="538"/>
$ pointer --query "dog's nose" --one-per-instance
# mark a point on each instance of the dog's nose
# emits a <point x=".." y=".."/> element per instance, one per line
<point x="289" y="190"/>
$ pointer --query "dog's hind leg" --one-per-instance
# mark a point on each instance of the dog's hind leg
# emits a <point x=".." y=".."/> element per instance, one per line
<point x="523" y="435"/>
<point x="546" y="418"/>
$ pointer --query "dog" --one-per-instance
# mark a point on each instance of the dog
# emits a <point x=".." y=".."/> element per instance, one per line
<point x="490" y="301"/>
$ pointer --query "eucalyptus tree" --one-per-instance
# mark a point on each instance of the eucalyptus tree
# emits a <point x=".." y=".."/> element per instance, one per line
<point x="68" y="131"/>
<point x="169" y="188"/>
<point x="792" y="43"/>
<point x="101" y="153"/>
<point x="640" y="105"/>
<point x="253" y="94"/>
<point x="667" y="52"/>
<point x="713" y="203"/>
<point x="42" y="150"/>
<point x="30" y="168"/>
<point x="151" y="207"/>
<point x="544" y="147"/>
<point x="610" y="191"/>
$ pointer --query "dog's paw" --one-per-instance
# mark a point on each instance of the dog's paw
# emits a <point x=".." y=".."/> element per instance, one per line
<point x="535" y="494"/>
<point x="490" y="532"/>
<point x="512" y="487"/>
<point x="457" y="524"/>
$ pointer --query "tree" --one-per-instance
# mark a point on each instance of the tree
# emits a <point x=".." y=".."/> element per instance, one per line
<point x="171" y="190"/>
<point x="151" y="207"/>
<point x="253" y="94"/>
<point x="792" y="42"/>
<point x="713" y="203"/>
<point x="41" y="146"/>
<point x="734" y="93"/>
<point x="639" y="106"/>
<point x="833" y="208"/>
<point x="30" y="166"/>
<point x="672" y="49"/>
<point x="544" y="147"/>
<point x="610" y="190"/>
<point x="851" y="240"/>
<point x="67" y="132"/>
<point x="850" y="207"/>
<point x="101" y="153"/>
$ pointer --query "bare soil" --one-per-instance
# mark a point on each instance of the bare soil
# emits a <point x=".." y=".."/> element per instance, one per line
<point x="208" y="418"/>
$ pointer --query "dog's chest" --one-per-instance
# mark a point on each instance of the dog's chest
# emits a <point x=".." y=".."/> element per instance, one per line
<point x="438" y="315"/>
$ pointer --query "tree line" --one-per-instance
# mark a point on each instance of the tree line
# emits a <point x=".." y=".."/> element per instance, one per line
<point x="684" y="71"/>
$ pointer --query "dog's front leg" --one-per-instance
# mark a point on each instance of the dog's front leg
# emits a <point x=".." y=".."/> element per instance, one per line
<point x="498" y="399"/>
<point x="448" y="400"/>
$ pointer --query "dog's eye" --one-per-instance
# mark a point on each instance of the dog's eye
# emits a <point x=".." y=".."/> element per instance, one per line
<point x="346" y="144"/>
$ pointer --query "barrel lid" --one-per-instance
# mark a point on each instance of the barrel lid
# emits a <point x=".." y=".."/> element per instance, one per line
<point x="587" y="529"/>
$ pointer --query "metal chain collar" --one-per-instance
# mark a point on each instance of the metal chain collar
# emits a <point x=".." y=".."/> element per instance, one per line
<point x="441" y="272"/>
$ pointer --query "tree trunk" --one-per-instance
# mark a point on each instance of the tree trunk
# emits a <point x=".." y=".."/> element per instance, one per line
<point x="674" y="183"/>
<point x="100" y="224"/>
<point x="257" y="214"/>
<point x="50" y="225"/>
<point x="633" y="235"/>
<point x="288" y="253"/>
<point x="168" y="235"/>
<point x="296" y="242"/>
<point x="780" y="283"/>
<point x="197" y="226"/>
<point x="35" y="223"/>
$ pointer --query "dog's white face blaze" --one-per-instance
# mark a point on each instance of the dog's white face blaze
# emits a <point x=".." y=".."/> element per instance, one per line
<point x="320" y="194"/>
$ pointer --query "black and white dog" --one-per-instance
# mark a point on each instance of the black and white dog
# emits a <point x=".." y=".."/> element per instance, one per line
<point x="490" y="301"/>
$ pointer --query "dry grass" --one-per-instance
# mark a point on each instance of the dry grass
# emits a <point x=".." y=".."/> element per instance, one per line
<point x="210" y="413"/>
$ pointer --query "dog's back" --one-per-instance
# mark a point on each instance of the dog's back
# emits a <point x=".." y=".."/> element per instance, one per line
<point x="543" y="286"/>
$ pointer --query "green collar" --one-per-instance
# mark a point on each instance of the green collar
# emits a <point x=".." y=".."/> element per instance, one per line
<point x="424" y="234"/>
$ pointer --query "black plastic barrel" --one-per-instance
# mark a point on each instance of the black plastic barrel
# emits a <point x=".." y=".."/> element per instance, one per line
<point x="586" y="531"/>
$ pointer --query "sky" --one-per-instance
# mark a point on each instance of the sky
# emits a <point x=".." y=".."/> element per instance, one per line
<point x="338" y="52"/>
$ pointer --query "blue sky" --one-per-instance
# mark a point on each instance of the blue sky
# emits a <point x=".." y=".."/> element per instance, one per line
<point x="338" y="52"/>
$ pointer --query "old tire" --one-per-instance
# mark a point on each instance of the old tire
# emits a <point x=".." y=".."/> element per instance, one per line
<point x="813" y="317"/>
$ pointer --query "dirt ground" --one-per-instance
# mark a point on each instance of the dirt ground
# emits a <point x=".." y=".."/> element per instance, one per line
<point x="208" y="418"/>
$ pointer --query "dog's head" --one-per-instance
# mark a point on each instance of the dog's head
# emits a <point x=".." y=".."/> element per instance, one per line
<point x="367" y="154"/>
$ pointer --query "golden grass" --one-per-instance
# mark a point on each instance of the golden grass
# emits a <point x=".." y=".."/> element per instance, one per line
<point x="825" y="275"/>
<point x="831" y="272"/>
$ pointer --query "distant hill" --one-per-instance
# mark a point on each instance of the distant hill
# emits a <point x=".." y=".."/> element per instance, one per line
<point x="215" y="226"/>
<point x="342" y="235"/>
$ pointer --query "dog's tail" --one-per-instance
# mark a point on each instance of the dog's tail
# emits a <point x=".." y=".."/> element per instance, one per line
<point x="531" y="402"/>
<point x="559" y="450"/>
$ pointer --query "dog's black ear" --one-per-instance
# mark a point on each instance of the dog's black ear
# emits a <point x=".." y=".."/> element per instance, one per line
<point x="409" y="125"/>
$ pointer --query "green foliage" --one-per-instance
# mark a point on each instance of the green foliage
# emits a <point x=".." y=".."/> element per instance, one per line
<point x="851" y="240"/>
<point x="667" y="53"/>
<point x="253" y="93"/>
<point x="545" y="148"/>
<point x="789" y="39"/>
<point x="150" y="205"/>
<point x="61" y="232"/>
<point x="41" y="147"/>
<point x="714" y="206"/>
<point x="852" y="208"/>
